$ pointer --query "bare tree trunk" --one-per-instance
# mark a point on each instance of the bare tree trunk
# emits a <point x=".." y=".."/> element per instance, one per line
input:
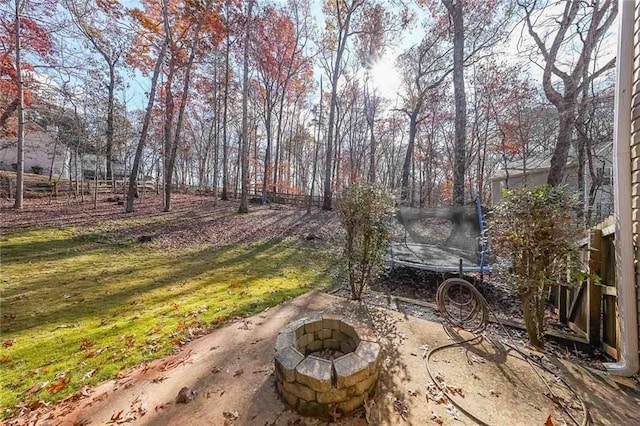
<point x="71" y="186"/>
<point x="590" y="33"/>
<point x="267" y="153"/>
<point x="406" y="165"/>
<point x="133" y="178"/>
<point x="531" y="318"/>
<point x="457" y="16"/>
<point x="326" y="204"/>
<point x="95" y="180"/>
<point x="20" y="108"/>
<point x="168" y="136"/>
<point x="109" y="132"/>
<point x="216" y="154"/>
<point x="342" y="43"/>
<point x="276" y="159"/>
<point x="176" y="135"/>
<point x="561" y="153"/>
<point x="244" y="201"/>
<point x="225" y="142"/>
<point x="315" y="154"/>
<point x="8" y="112"/>
<point x="53" y="157"/>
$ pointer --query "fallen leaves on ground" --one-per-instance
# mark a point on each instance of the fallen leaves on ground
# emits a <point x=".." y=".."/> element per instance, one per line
<point x="453" y="411"/>
<point x="37" y="387"/>
<point x="185" y="395"/>
<point x="436" y="418"/>
<point x="454" y="390"/>
<point x="161" y="406"/>
<point x="159" y="379"/>
<point x="549" y="421"/>
<point x="115" y="416"/>
<point x="86" y="344"/>
<point x="435" y="394"/>
<point x="231" y="415"/>
<point x="401" y="408"/>
<point x="174" y="363"/>
<point x="8" y="318"/>
<point x="209" y="223"/>
<point x="246" y="325"/>
<point x="438" y="392"/>
<point x="494" y="393"/>
<point x="100" y="397"/>
<point x="425" y="350"/>
<point x="59" y="385"/>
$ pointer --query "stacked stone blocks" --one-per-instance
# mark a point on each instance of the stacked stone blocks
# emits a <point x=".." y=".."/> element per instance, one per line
<point x="316" y="386"/>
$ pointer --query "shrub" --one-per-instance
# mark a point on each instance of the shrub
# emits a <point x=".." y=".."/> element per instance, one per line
<point x="533" y="234"/>
<point x="365" y="211"/>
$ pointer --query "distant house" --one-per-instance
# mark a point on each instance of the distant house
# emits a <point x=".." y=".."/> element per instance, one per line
<point x="534" y="172"/>
<point x="42" y="153"/>
<point x="45" y="154"/>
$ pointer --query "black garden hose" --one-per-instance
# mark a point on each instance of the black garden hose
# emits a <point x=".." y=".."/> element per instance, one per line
<point x="473" y="316"/>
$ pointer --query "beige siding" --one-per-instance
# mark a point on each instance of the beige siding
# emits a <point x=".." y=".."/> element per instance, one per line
<point x="534" y="178"/>
<point x="635" y="143"/>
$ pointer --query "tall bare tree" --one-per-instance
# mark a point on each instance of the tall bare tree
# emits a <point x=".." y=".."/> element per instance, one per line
<point x="341" y="13"/>
<point x="425" y="67"/>
<point x="244" y="199"/>
<point x="19" y="4"/>
<point x="576" y="30"/>
<point x="132" y="192"/>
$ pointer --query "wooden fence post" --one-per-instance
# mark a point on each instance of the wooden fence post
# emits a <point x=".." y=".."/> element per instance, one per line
<point x="562" y="304"/>
<point x="595" y="291"/>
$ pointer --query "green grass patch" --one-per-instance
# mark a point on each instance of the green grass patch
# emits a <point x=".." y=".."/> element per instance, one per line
<point x="79" y="308"/>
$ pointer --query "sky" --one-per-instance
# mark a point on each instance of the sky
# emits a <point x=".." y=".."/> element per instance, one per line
<point x="385" y="76"/>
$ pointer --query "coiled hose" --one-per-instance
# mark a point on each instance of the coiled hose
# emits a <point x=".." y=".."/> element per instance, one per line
<point x="462" y="306"/>
<point x="469" y="310"/>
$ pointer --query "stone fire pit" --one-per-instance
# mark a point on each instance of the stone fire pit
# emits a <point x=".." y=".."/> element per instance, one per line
<point x="325" y="363"/>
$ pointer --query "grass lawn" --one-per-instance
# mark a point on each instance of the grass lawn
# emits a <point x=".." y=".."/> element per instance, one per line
<point x="78" y="306"/>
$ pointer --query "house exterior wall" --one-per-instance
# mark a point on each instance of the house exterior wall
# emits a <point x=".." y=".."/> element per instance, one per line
<point x="602" y="205"/>
<point x="40" y="150"/>
<point x="534" y="178"/>
<point x="635" y="147"/>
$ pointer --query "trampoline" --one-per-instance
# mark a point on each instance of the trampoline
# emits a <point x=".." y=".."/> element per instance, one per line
<point x="464" y="250"/>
